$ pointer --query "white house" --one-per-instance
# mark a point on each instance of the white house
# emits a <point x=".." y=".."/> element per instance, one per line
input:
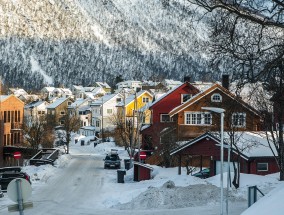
<point x="62" y="92"/>
<point x="171" y="84"/>
<point x="46" y="92"/>
<point x="17" y="91"/>
<point x="81" y="107"/>
<point x="103" y="111"/>
<point x="135" y="85"/>
<point x="35" y="110"/>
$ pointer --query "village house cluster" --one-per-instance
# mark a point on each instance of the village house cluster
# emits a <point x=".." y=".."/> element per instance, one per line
<point x="168" y="117"/>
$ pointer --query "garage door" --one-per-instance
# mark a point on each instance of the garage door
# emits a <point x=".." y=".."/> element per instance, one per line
<point x="225" y="166"/>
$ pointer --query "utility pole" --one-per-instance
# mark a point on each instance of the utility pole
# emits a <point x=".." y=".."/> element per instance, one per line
<point x="102" y="113"/>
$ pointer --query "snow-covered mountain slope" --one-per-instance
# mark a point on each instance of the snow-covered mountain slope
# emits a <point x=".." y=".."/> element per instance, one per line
<point x="81" y="41"/>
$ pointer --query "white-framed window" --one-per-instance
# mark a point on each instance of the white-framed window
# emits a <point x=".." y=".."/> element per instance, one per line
<point x="118" y="100"/>
<point x="185" y="97"/>
<point x="69" y="103"/>
<point x="165" y="118"/>
<point x="216" y="97"/>
<point x="109" y="111"/>
<point x="98" y="124"/>
<point x="262" y="167"/>
<point x="239" y="120"/>
<point x="145" y="99"/>
<point x="198" y="118"/>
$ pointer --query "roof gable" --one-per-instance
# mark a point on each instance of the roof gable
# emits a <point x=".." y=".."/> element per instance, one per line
<point x="174" y="90"/>
<point x="202" y="94"/>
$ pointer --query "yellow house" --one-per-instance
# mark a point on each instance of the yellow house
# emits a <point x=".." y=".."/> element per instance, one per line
<point x="136" y="104"/>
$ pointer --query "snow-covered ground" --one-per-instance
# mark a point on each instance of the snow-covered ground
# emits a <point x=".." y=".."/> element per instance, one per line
<point x="166" y="193"/>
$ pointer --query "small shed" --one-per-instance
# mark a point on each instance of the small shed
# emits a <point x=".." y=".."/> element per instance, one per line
<point x="142" y="171"/>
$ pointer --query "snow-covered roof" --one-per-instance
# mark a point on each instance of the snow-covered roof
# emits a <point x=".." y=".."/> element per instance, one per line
<point x="103" y="99"/>
<point x="18" y="91"/>
<point x="165" y="95"/>
<point x="250" y="144"/>
<point x="103" y="84"/>
<point x="172" y="82"/>
<point x="202" y="86"/>
<point x="57" y="102"/>
<point x="78" y="87"/>
<point x="78" y="102"/>
<point x="49" y="89"/>
<point x="34" y="104"/>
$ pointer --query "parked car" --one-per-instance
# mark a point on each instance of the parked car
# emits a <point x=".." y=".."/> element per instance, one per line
<point x="7" y="174"/>
<point x="205" y="173"/>
<point x="112" y="160"/>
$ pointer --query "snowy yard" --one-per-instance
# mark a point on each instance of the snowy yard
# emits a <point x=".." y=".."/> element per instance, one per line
<point x="166" y="193"/>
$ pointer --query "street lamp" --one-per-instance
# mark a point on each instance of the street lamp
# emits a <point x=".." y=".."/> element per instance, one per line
<point x="220" y="111"/>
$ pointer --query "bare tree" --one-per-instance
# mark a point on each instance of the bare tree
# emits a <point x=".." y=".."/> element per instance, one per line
<point x="37" y="132"/>
<point x="247" y="40"/>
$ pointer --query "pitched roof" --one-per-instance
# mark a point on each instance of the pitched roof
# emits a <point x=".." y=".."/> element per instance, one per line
<point x="49" y="89"/>
<point x="77" y="103"/>
<point x="57" y="102"/>
<point x="131" y="98"/>
<point x="168" y="93"/>
<point x="200" y="95"/>
<point x="250" y="144"/>
<point x="34" y="104"/>
<point x="103" y="84"/>
<point x="103" y="99"/>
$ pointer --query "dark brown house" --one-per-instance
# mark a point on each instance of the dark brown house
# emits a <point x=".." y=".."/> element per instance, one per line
<point x="192" y="121"/>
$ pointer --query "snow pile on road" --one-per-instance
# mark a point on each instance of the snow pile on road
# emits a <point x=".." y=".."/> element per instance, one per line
<point x="169" y="197"/>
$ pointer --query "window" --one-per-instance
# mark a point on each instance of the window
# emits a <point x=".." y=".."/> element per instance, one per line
<point x="145" y="100"/>
<point x="216" y="97"/>
<point x="62" y="112"/>
<point x="62" y="122"/>
<point x="16" y="116"/>
<point x="165" y="118"/>
<point x="19" y="115"/>
<point x="69" y="103"/>
<point x="239" y="120"/>
<point x="118" y="99"/>
<point x="98" y="124"/>
<point x="262" y="167"/>
<point x="185" y="97"/>
<point x="109" y="111"/>
<point x="198" y="118"/>
<point x="5" y="116"/>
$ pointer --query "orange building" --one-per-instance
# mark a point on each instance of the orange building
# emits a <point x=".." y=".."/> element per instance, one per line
<point x="11" y="118"/>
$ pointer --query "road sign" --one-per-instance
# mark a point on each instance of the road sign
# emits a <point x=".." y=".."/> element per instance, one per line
<point x="26" y="189"/>
<point x="17" y="155"/>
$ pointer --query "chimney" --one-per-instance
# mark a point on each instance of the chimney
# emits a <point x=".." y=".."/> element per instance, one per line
<point x="186" y="79"/>
<point x="225" y="81"/>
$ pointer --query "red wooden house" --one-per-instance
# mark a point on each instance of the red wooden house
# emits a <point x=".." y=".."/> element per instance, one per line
<point x="252" y="157"/>
<point x="160" y="118"/>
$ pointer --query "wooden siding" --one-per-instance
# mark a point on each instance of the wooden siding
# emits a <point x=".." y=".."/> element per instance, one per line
<point x="164" y="106"/>
<point x="230" y="105"/>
